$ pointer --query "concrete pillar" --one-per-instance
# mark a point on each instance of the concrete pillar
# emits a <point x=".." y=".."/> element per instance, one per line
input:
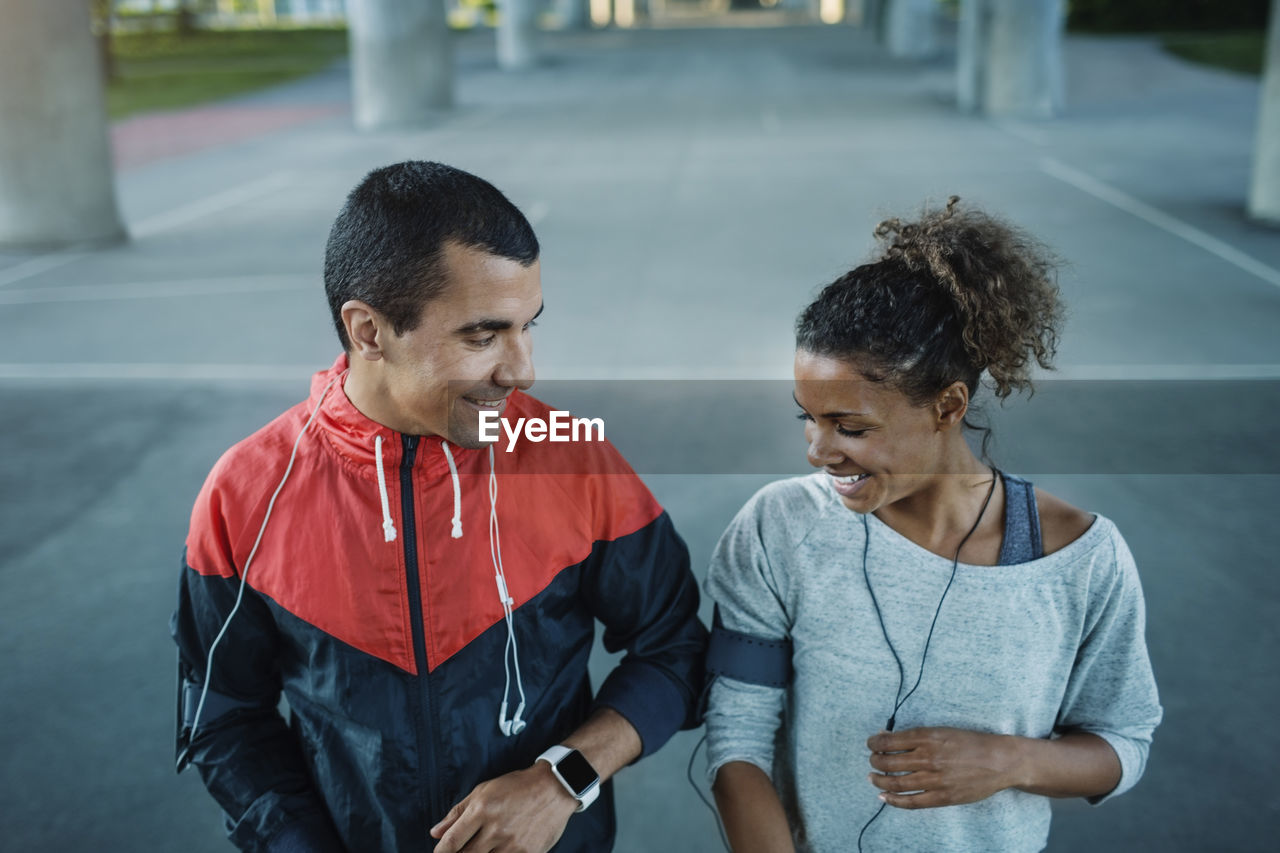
<point x="624" y="13"/>
<point x="516" y="34"/>
<point x="971" y="53"/>
<point x="911" y="28"/>
<point x="1264" y="194"/>
<point x="1023" y="73"/>
<point x="401" y="62"/>
<point x="57" y="185"/>
<point x="830" y="11"/>
<point x="601" y="11"/>
<point x="571" y="14"/>
<point x="873" y="15"/>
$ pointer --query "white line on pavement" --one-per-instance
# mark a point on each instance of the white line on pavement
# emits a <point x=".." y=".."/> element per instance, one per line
<point x="82" y="371"/>
<point x="160" y="289"/>
<point x="130" y="372"/>
<point x="1161" y="372"/>
<point x="1071" y="372"/>
<point x="213" y="204"/>
<point x="35" y="266"/>
<point x="155" y="224"/>
<point x="1160" y="219"/>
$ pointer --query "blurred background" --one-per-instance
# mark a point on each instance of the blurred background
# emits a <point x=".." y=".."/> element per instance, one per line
<point x="696" y="170"/>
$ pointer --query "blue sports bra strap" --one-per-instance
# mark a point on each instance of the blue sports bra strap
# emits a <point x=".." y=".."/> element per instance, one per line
<point x="1022" y="540"/>
<point x="1033" y="513"/>
<point x="745" y="657"/>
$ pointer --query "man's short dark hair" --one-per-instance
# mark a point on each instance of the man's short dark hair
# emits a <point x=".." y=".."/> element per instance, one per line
<point x="385" y="247"/>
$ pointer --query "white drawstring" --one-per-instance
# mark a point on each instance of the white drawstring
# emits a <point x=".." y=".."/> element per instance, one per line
<point x="388" y="526"/>
<point x="456" y="533"/>
<point x="510" y="654"/>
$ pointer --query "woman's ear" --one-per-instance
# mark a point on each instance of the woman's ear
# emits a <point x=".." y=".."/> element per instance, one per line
<point x="951" y="405"/>
<point x="365" y="327"/>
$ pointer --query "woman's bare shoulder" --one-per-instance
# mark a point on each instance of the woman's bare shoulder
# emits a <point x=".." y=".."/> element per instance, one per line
<point x="1060" y="522"/>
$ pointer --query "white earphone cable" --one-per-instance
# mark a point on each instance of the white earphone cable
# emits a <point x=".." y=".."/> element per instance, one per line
<point x="244" y="574"/>
<point x="511" y="652"/>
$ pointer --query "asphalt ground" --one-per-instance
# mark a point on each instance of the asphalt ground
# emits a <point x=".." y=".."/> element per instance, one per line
<point x="691" y="189"/>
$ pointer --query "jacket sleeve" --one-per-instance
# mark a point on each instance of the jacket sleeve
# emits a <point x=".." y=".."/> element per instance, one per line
<point x="640" y="587"/>
<point x="248" y="758"/>
<point x="1111" y="691"/>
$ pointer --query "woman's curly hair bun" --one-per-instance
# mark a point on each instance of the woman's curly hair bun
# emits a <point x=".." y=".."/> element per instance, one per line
<point x="1001" y="280"/>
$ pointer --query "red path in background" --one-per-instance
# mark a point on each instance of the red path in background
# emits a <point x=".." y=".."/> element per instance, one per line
<point x="146" y="138"/>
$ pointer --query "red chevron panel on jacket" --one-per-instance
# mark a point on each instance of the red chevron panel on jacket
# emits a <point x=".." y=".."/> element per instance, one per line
<point x="323" y="555"/>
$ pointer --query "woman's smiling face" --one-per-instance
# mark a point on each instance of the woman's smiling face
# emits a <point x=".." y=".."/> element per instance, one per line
<point x="875" y="444"/>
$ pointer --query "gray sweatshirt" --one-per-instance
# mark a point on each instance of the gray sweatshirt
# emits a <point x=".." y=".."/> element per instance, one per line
<point x="1028" y="649"/>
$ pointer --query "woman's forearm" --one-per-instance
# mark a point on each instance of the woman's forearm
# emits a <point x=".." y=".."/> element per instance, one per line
<point x="1078" y="764"/>
<point x="751" y="811"/>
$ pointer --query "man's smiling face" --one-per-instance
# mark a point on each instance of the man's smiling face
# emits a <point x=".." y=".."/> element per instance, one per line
<point x="470" y="350"/>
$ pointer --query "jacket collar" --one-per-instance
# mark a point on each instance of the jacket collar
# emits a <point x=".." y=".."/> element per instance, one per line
<point x="353" y="435"/>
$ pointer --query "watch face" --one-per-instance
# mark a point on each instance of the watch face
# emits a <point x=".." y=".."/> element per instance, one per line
<point x="577" y="772"/>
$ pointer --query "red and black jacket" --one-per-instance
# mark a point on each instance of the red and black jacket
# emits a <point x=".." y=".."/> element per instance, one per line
<point x="390" y="654"/>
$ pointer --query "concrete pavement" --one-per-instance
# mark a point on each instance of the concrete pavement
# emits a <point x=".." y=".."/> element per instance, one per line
<point x="691" y="189"/>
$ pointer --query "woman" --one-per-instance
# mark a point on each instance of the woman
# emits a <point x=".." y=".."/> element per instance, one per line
<point x="956" y="637"/>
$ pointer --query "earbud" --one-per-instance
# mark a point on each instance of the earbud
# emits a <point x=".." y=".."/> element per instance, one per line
<point x="513" y="726"/>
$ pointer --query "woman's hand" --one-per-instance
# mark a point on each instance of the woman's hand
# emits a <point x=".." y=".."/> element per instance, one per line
<point x="947" y="767"/>
<point x="941" y="766"/>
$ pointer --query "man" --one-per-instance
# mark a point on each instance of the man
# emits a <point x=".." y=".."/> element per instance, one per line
<point x="425" y="602"/>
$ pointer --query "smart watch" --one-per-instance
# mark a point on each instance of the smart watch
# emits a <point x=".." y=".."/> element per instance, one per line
<point x="575" y="773"/>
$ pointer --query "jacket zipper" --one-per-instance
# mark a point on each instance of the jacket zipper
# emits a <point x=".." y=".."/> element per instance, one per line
<point x="422" y="711"/>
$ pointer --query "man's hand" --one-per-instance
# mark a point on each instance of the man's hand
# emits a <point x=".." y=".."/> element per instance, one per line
<point x="526" y="811"/>
<point x="521" y="812"/>
<point x="943" y="766"/>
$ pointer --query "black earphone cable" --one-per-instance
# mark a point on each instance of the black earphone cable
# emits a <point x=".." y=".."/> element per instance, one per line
<point x="955" y="564"/>
<point x="715" y="813"/>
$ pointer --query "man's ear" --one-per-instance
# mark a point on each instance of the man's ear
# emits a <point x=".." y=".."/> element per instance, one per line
<point x="951" y="405"/>
<point x="365" y="329"/>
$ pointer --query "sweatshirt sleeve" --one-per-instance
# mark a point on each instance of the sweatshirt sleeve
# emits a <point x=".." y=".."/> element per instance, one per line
<point x="742" y="718"/>
<point x="1112" y="691"/>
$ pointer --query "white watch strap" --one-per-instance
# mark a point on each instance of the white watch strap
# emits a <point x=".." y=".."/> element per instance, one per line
<point x="553" y="756"/>
<point x="589" y="796"/>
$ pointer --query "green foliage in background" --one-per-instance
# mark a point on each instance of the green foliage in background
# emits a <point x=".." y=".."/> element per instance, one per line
<point x="1166" y="15"/>
<point x="169" y="70"/>
<point x="1243" y="52"/>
